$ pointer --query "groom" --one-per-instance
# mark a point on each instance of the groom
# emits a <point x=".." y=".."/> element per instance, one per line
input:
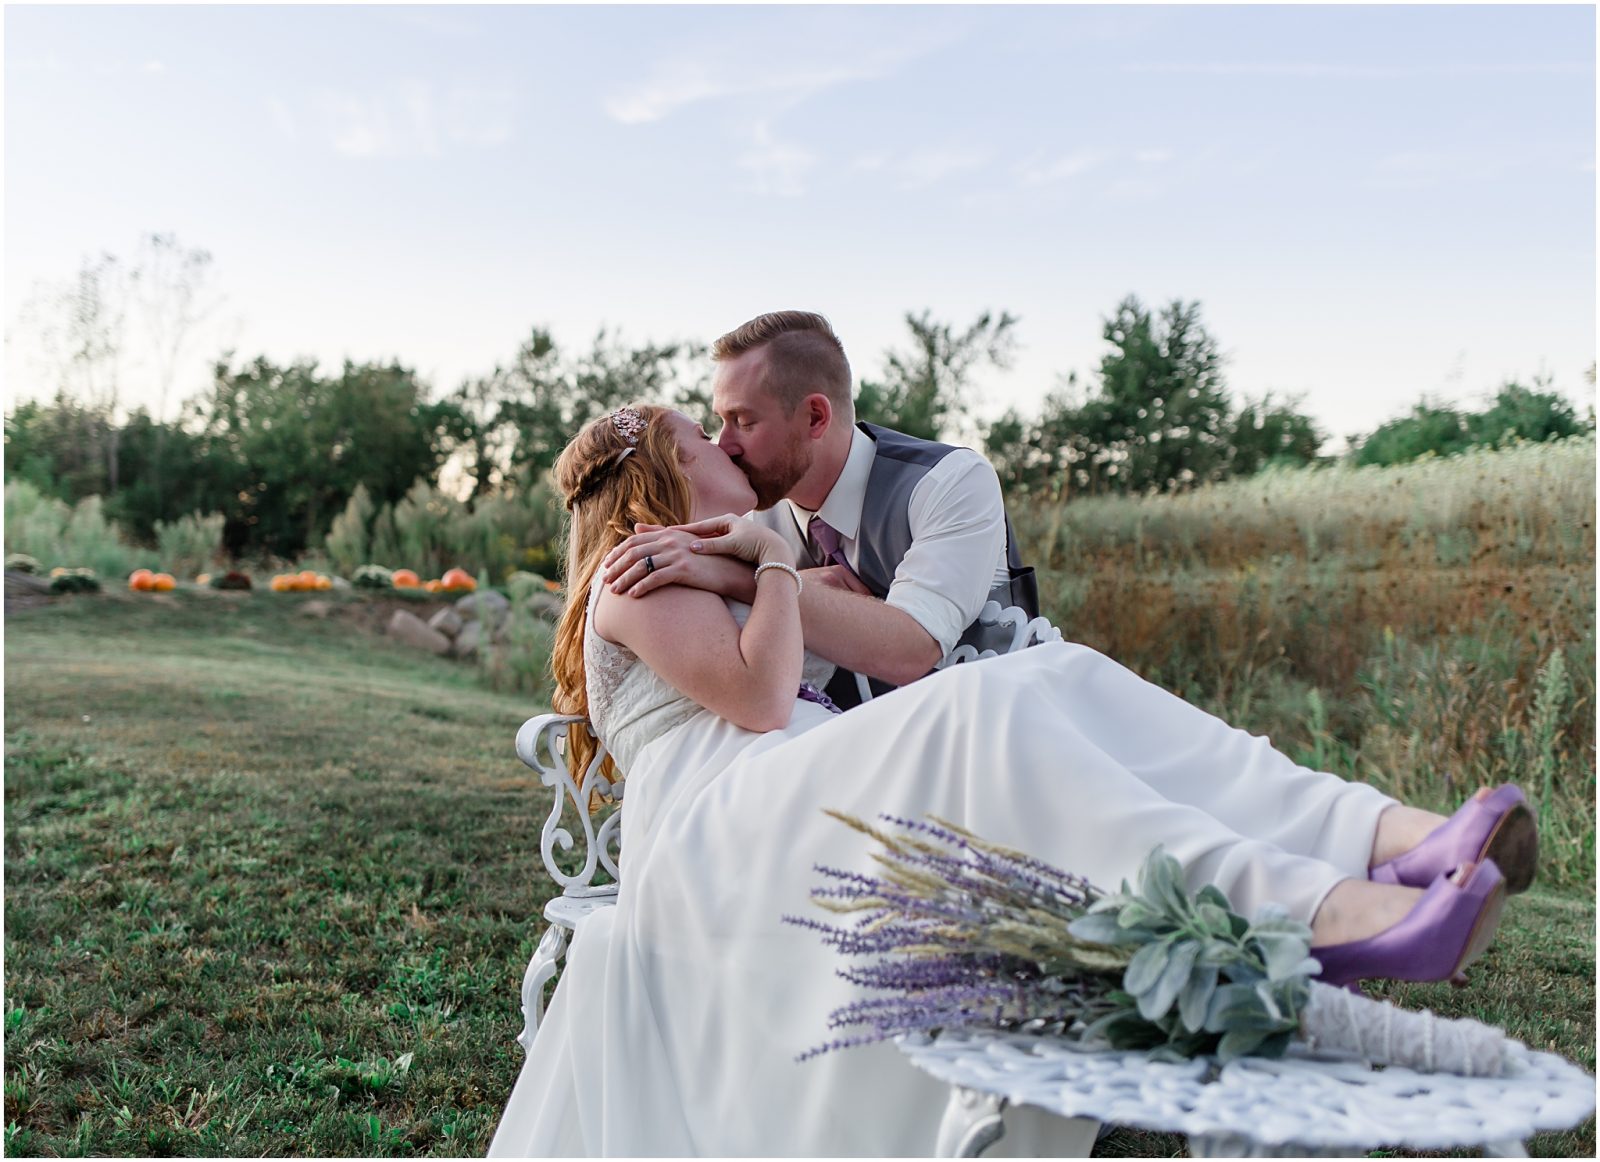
<point x="906" y="538"/>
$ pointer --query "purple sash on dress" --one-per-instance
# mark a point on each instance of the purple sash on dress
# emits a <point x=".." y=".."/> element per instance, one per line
<point x="811" y="694"/>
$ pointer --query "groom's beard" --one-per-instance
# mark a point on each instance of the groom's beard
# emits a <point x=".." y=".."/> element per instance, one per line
<point x="772" y="483"/>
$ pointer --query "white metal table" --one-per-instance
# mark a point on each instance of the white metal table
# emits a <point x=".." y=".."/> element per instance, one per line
<point x="1301" y="1105"/>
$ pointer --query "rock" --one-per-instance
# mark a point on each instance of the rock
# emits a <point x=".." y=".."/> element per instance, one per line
<point x="316" y="608"/>
<point x="341" y="583"/>
<point x="466" y="644"/>
<point x="411" y="629"/>
<point x="545" y="605"/>
<point x="487" y="605"/>
<point x="447" y="621"/>
<point x="20" y="584"/>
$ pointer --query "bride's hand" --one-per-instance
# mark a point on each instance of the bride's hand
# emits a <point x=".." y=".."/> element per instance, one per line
<point x="658" y="555"/>
<point x="737" y="536"/>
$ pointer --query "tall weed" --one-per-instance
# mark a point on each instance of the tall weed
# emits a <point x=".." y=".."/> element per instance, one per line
<point x="430" y="531"/>
<point x="71" y="536"/>
<point x="1427" y="627"/>
<point x="191" y="543"/>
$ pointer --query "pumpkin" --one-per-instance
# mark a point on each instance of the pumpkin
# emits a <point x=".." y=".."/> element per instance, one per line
<point x="164" y="583"/>
<point x="434" y="586"/>
<point x="324" y="581"/>
<point x="282" y="584"/>
<point x="405" y="579"/>
<point x="141" y="580"/>
<point x="203" y="579"/>
<point x="458" y="579"/>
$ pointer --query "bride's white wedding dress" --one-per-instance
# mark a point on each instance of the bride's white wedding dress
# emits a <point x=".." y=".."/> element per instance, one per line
<point x="676" y="1023"/>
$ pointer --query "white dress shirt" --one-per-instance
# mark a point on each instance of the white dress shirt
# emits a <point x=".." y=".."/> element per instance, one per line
<point x="958" y="536"/>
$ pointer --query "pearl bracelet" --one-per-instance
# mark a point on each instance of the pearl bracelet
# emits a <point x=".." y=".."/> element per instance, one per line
<point x="789" y="569"/>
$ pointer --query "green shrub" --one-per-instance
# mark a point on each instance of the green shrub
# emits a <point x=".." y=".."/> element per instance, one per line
<point x="22" y="563"/>
<point x="520" y="660"/>
<point x="191" y="543"/>
<point x="429" y="530"/>
<point x="372" y="577"/>
<point x="349" y="540"/>
<point x="55" y="533"/>
<point x="75" y="581"/>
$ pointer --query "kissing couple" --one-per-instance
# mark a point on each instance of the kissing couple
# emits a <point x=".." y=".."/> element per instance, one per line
<point x="716" y="657"/>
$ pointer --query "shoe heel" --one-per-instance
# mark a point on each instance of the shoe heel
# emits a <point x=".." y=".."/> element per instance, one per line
<point x="1484" y="929"/>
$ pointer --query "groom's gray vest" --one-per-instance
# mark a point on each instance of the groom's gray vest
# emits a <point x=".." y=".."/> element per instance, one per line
<point x="884" y="536"/>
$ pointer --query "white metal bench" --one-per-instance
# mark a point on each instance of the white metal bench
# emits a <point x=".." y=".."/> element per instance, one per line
<point x="541" y="743"/>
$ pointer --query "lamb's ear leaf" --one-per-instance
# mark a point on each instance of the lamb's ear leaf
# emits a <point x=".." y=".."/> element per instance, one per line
<point x="1146" y="967"/>
<point x="1154" y="1003"/>
<point x="1194" y="999"/>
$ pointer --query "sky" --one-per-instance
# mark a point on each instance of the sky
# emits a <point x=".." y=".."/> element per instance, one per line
<point x="1370" y="203"/>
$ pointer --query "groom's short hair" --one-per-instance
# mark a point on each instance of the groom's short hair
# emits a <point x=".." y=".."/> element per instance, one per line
<point x="803" y="356"/>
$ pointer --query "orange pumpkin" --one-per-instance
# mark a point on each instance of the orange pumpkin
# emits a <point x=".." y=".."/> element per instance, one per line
<point x="282" y="584"/>
<point x="324" y="581"/>
<point x="141" y="580"/>
<point x="405" y="579"/>
<point x="434" y="586"/>
<point x="458" y="579"/>
<point x="164" y="583"/>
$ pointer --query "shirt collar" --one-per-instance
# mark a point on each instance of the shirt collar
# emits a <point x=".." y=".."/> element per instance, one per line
<point x="842" y="508"/>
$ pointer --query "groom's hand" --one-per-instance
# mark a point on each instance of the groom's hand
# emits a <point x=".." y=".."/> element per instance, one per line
<point x="627" y="572"/>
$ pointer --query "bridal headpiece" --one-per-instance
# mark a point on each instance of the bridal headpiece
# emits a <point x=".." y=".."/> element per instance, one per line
<point x="629" y="424"/>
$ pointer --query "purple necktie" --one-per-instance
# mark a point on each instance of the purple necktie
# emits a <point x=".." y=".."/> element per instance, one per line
<point x="827" y="538"/>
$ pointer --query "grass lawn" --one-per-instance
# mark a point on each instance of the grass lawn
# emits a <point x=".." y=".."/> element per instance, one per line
<point x="272" y="880"/>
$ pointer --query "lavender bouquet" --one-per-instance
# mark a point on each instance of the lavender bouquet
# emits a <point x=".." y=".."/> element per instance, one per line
<point x="966" y="932"/>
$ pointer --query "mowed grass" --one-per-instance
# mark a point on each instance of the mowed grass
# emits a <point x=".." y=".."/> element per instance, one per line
<point x="271" y="885"/>
<point x="275" y="895"/>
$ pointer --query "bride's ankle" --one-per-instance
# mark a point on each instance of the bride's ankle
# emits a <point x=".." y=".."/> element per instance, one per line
<point x="1400" y="828"/>
<point x="1358" y="909"/>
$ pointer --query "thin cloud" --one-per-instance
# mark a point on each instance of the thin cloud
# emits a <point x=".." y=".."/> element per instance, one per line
<point x="154" y="66"/>
<point x="685" y="81"/>
<point x="1312" y="69"/>
<point x="922" y="167"/>
<point x="777" y="167"/>
<point x="928" y="166"/>
<point x="1419" y="169"/>
<point x="283" y="119"/>
<point x="1153" y="156"/>
<point x="410" y="120"/>
<point x="1037" y="172"/>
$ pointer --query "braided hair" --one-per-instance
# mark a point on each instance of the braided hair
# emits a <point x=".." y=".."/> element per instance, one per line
<point x="620" y="470"/>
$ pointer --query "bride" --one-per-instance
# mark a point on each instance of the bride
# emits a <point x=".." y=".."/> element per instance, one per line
<point x="680" y="1013"/>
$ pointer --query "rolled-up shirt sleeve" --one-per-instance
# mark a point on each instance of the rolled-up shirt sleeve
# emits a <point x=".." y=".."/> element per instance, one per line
<point x="958" y="542"/>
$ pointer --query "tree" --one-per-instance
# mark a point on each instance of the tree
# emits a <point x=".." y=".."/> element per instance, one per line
<point x="1265" y="432"/>
<point x="81" y="326"/>
<point x="925" y="391"/>
<point x="291" y="446"/>
<point x="1160" y="418"/>
<point x="1038" y="457"/>
<point x="548" y="398"/>
<point x="1521" y="413"/>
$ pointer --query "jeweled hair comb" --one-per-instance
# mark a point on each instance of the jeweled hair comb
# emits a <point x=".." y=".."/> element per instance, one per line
<point x="629" y="424"/>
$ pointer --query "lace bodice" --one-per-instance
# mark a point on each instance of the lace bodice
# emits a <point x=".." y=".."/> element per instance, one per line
<point x="630" y="705"/>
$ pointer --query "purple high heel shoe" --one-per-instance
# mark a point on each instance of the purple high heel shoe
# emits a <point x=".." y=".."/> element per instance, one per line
<point x="1444" y="932"/>
<point x="1499" y="827"/>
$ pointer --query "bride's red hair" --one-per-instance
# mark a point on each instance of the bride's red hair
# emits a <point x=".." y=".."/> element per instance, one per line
<point x="607" y="490"/>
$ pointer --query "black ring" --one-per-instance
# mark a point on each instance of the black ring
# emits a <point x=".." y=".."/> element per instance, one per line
<point x="649" y="564"/>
